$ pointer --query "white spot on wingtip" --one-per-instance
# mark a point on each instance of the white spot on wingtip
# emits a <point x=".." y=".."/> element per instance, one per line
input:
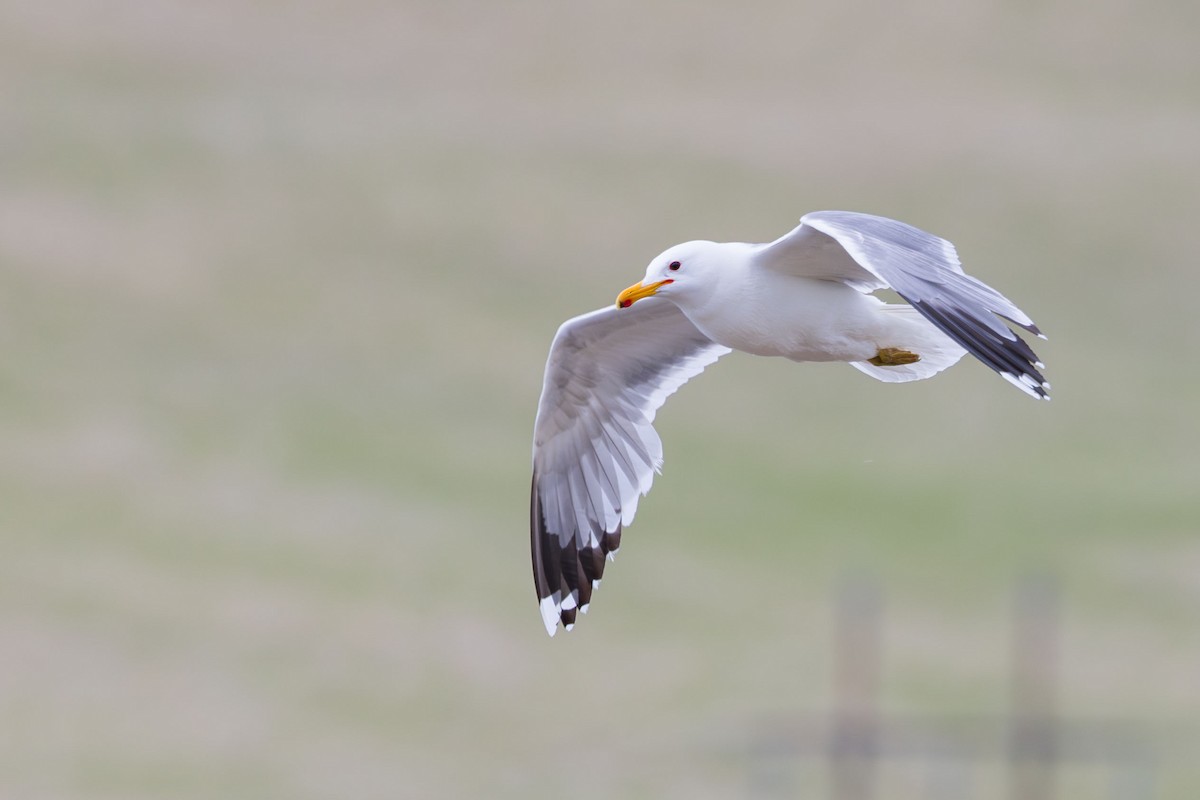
<point x="1023" y="382"/>
<point x="549" y="606"/>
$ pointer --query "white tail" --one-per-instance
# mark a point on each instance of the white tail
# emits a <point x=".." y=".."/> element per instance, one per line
<point x="917" y="335"/>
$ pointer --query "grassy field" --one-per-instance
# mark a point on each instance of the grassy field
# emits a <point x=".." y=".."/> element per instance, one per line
<point x="277" y="283"/>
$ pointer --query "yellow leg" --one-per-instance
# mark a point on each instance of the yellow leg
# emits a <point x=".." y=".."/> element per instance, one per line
<point x="893" y="357"/>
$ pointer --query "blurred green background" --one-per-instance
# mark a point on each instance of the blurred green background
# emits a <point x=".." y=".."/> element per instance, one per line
<point x="278" y="282"/>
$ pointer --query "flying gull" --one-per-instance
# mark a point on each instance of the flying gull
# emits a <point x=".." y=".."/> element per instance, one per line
<point x="805" y="296"/>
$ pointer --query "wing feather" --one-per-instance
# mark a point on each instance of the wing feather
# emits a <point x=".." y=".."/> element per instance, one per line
<point x="595" y="450"/>
<point x="870" y="253"/>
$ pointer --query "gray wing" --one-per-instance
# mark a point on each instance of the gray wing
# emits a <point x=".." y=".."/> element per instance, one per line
<point x="870" y="253"/>
<point x="595" y="451"/>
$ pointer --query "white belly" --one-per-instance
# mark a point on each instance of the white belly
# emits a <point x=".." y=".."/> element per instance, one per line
<point x="799" y="318"/>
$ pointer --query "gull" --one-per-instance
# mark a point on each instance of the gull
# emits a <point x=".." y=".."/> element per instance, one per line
<point x="806" y="296"/>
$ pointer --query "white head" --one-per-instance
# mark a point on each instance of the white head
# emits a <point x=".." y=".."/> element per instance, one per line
<point x="685" y="273"/>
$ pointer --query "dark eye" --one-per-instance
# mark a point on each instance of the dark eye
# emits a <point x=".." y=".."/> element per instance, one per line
<point x="674" y="265"/>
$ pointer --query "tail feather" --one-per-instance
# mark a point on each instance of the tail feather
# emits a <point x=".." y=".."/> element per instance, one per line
<point x="915" y="334"/>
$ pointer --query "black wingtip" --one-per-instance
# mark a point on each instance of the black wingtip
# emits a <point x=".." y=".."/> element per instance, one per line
<point x="564" y="576"/>
<point x="1010" y="356"/>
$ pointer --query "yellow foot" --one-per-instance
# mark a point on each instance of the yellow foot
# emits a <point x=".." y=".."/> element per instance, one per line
<point x="893" y="357"/>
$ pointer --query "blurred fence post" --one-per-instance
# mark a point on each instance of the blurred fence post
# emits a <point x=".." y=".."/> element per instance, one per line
<point x="854" y="744"/>
<point x="1033" y="730"/>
